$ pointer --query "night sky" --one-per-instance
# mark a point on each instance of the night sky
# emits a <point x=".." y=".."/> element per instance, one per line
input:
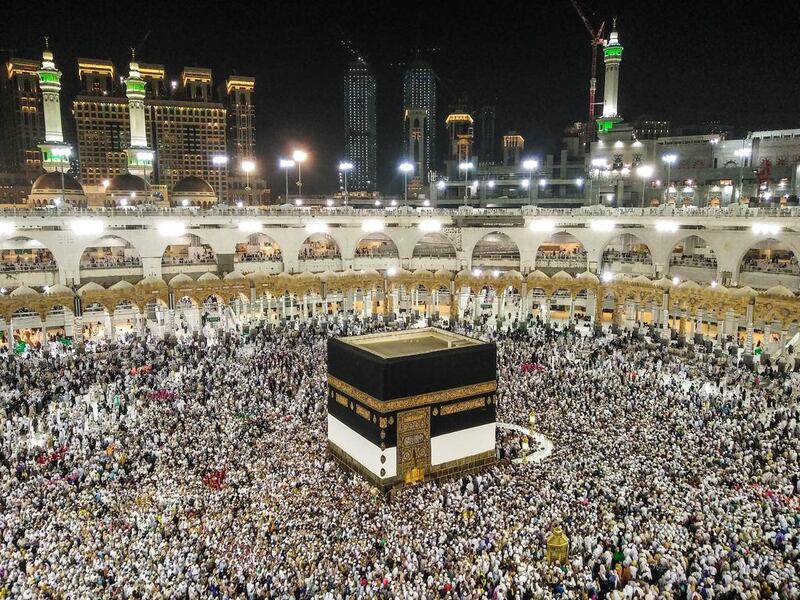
<point x="689" y="62"/>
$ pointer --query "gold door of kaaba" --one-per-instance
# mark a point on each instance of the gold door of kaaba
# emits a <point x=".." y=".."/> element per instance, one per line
<point x="413" y="444"/>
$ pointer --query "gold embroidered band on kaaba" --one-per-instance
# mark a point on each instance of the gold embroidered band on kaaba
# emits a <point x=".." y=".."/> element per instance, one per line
<point x="385" y="406"/>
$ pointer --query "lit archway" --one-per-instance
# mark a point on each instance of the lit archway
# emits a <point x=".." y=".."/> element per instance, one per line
<point x="110" y="253"/>
<point x="496" y="251"/>
<point x="768" y="263"/>
<point x="319" y="246"/>
<point x="189" y="250"/>
<point x="22" y="255"/>
<point x="562" y="251"/>
<point x="258" y="247"/>
<point x="692" y="258"/>
<point x="376" y="245"/>
<point x="627" y="253"/>
<point x="434" y="245"/>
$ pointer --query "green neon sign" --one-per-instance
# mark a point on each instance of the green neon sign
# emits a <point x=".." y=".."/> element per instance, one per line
<point x="613" y="51"/>
<point x="49" y="77"/>
<point x="135" y="86"/>
<point x="605" y="125"/>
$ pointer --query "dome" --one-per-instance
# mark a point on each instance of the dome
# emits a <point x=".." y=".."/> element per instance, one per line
<point x="122" y="285"/>
<point x="780" y="290"/>
<point x="90" y="287"/>
<point x="126" y="183"/>
<point x="537" y="274"/>
<point x="233" y="275"/>
<point x="192" y="185"/>
<point x="23" y="290"/>
<point x="57" y="289"/>
<point x="208" y="277"/>
<point x="561" y="275"/>
<point x="52" y="181"/>
<point x="589" y="276"/>
<point x="180" y="278"/>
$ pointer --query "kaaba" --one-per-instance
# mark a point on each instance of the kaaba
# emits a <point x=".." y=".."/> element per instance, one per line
<point x="412" y="405"/>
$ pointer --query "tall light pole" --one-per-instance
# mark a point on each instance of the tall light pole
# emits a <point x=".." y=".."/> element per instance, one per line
<point x="743" y="154"/>
<point x="645" y="172"/>
<point x="286" y="164"/>
<point x="465" y="168"/>
<point x="530" y="166"/>
<point x="248" y="166"/>
<point x="598" y="164"/>
<point x="299" y="156"/>
<point x="669" y="160"/>
<point x="406" y="168"/>
<point x="344" y="167"/>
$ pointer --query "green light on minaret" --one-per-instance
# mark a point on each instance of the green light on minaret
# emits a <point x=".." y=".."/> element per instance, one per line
<point x="613" y="51"/>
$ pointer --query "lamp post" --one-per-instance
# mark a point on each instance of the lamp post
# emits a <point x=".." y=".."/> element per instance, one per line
<point x="344" y="167"/>
<point x="299" y="156"/>
<point x="286" y="164"/>
<point x="530" y="166"/>
<point x="406" y="168"/>
<point x="743" y="154"/>
<point x="465" y="168"/>
<point x="597" y="163"/>
<point x="645" y="171"/>
<point x="248" y="166"/>
<point x="669" y="160"/>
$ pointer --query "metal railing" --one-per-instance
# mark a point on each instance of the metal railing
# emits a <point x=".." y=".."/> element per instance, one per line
<point x="736" y="210"/>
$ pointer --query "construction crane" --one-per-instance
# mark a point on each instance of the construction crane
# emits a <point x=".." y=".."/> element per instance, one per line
<point x="597" y="40"/>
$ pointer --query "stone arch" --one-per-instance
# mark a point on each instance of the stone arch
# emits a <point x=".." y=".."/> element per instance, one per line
<point x="319" y="246"/>
<point x="684" y="257"/>
<point x="434" y="245"/>
<point x="257" y="247"/>
<point x="191" y="249"/>
<point x="496" y="249"/>
<point x="376" y="245"/>
<point x="561" y="251"/>
<point x="110" y="251"/>
<point x="771" y="258"/>
<point x="21" y="253"/>
<point x="626" y="248"/>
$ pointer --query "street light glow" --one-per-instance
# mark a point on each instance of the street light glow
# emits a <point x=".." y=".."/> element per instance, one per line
<point x="530" y="164"/>
<point x="644" y="171"/>
<point x="248" y="166"/>
<point x="465" y="166"/>
<point x="372" y="226"/>
<point x="743" y="152"/>
<point x="171" y="228"/>
<point x="406" y="167"/>
<point x="299" y="155"/>
<point x="345" y="166"/>
<point x="286" y="163"/>
<point x="83" y="227"/>
<point x="219" y="160"/>
<point x="669" y="158"/>
<point x="250" y="226"/>
<point x="542" y="225"/>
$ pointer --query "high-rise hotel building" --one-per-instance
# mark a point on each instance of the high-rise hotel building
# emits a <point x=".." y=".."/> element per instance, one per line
<point x="419" y="118"/>
<point x="21" y="116"/>
<point x="360" y="126"/>
<point x="189" y="129"/>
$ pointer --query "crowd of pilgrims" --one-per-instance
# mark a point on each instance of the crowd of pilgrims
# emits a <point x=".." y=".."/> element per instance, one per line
<point x="192" y="469"/>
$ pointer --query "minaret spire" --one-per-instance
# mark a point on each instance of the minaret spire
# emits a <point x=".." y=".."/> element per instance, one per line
<point x="140" y="157"/>
<point x="55" y="153"/>
<point x="612" y="56"/>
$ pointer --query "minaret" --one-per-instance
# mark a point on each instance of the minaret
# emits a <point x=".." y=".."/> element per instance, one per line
<point x="612" y="56"/>
<point x="140" y="157"/>
<point x="55" y="153"/>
